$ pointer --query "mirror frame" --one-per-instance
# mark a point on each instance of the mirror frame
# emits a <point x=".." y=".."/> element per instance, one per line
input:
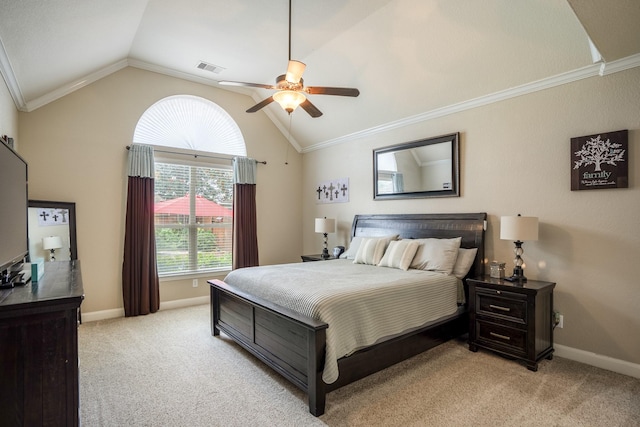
<point x="71" y="207"/>
<point x="454" y="191"/>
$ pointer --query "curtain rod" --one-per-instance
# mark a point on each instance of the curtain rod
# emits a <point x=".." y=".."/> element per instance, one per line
<point x="195" y="156"/>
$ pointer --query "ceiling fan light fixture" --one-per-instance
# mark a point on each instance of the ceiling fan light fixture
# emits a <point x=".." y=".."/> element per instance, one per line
<point x="289" y="100"/>
<point x="295" y="69"/>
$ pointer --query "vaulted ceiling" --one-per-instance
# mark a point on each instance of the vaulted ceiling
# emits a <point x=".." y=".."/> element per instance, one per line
<point x="411" y="59"/>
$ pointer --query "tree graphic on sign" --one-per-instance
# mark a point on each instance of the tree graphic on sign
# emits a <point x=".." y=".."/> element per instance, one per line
<point x="598" y="152"/>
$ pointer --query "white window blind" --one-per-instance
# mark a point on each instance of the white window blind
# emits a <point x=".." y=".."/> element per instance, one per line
<point x="193" y="214"/>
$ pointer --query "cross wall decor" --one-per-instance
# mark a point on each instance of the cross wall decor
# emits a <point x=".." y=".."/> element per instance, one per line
<point x="52" y="216"/>
<point x="334" y="191"/>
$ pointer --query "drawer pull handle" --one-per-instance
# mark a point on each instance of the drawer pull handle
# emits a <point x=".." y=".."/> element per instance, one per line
<point x="504" y="337"/>
<point x="497" y="307"/>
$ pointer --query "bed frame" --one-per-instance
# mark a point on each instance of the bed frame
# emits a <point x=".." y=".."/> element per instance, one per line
<point x="293" y="344"/>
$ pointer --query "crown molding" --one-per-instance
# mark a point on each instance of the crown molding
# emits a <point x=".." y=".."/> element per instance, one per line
<point x="598" y="69"/>
<point x="632" y="61"/>
<point x="10" y="79"/>
<point x="73" y="86"/>
<point x="170" y="72"/>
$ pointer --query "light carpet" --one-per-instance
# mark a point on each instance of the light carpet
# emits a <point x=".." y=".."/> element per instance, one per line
<point x="166" y="369"/>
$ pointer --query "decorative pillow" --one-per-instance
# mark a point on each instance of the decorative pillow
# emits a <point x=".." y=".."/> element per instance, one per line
<point x="464" y="262"/>
<point x="353" y="248"/>
<point x="371" y="250"/>
<point x="436" y="254"/>
<point x="355" y="245"/>
<point x="399" y="254"/>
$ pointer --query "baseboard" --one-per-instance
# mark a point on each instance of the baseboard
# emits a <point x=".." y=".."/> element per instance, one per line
<point x="94" y="316"/>
<point x="598" y="360"/>
<point x="187" y="302"/>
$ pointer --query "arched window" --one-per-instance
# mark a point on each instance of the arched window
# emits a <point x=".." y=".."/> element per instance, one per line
<point x="193" y="195"/>
<point x="190" y="122"/>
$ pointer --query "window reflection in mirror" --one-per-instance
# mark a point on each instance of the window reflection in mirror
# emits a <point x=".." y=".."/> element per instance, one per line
<point x="52" y="219"/>
<point x="424" y="168"/>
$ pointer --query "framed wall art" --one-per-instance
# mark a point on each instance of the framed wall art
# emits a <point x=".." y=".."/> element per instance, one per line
<point x="600" y="161"/>
<point x="334" y="191"/>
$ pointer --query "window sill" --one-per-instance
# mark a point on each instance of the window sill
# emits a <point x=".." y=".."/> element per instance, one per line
<point x="215" y="274"/>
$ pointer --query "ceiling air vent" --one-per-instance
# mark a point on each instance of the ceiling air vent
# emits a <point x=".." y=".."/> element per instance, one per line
<point x="209" y="67"/>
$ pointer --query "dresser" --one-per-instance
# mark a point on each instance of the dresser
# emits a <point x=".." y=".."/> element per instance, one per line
<point x="513" y="319"/>
<point x="39" y="349"/>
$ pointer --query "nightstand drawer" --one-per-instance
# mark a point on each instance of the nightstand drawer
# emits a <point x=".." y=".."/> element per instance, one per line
<point x="500" y="337"/>
<point x="506" y="305"/>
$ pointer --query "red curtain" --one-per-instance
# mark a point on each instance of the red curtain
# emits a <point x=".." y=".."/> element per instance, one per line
<point x="245" y="234"/>
<point x="140" y="283"/>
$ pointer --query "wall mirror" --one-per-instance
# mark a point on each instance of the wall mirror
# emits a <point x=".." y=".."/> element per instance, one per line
<point x="424" y="168"/>
<point x="52" y="226"/>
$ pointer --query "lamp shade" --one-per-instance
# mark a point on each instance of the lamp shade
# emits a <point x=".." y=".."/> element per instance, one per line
<point x="325" y="225"/>
<point x="51" y="242"/>
<point x="294" y="71"/>
<point x="521" y="228"/>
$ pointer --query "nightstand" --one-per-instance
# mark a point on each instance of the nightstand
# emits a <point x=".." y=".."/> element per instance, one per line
<point x="512" y="319"/>
<point x="316" y="257"/>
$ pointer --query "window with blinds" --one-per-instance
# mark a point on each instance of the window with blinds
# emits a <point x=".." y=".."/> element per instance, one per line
<point x="193" y="214"/>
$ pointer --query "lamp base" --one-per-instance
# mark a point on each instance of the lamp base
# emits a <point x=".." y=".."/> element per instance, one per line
<point x="518" y="276"/>
<point x="325" y="250"/>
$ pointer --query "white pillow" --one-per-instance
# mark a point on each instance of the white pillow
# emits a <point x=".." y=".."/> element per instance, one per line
<point x="371" y="250"/>
<point x="355" y="244"/>
<point x="436" y="254"/>
<point x="399" y="254"/>
<point x="353" y="248"/>
<point x="464" y="262"/>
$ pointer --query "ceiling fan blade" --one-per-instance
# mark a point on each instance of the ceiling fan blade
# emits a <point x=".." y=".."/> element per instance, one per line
<point x="227" y="83"/>
<point x="261" y="104"/>
<point x="341" y="91"/>
<point x="311" y="109"/>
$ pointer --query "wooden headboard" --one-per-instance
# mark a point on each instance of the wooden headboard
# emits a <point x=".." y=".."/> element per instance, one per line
<point x="469" y="226"/>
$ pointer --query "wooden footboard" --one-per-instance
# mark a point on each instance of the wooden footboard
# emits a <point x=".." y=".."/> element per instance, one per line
<point x="293" y="344"/>
<point x="290" y="343"/>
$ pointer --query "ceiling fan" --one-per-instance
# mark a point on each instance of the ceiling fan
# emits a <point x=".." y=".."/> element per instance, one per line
<point x="291" y="91"/>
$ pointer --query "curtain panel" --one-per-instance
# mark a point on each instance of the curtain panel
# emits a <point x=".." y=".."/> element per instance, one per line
<point x="245" y="229"/>
<point x="140" y="282"/>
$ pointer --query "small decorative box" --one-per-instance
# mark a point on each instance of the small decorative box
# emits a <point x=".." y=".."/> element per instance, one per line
<point x="37" y="269"/>
<point x="497" y="269"/>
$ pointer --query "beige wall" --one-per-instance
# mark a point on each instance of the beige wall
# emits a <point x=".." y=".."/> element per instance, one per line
<point x="515" y="158"/>
<point x="76" y="152"/>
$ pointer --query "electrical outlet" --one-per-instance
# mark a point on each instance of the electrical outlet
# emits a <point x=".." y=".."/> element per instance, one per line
<point x="558" y="319"/>
<point x="195" y="283"/>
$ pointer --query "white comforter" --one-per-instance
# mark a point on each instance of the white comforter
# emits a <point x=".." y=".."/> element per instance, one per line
<point x="362" y="304"/>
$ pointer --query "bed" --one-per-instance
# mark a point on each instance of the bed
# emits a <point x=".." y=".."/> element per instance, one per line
<point x="297" y="343"/>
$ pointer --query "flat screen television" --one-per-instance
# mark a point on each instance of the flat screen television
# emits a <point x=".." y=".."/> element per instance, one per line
<point x="14" y="240"/>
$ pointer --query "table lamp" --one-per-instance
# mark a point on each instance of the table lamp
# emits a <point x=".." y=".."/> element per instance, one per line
<point x="325" y="225"/>
<point x="52" y="243"/>
<point x="518" y="229"/>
